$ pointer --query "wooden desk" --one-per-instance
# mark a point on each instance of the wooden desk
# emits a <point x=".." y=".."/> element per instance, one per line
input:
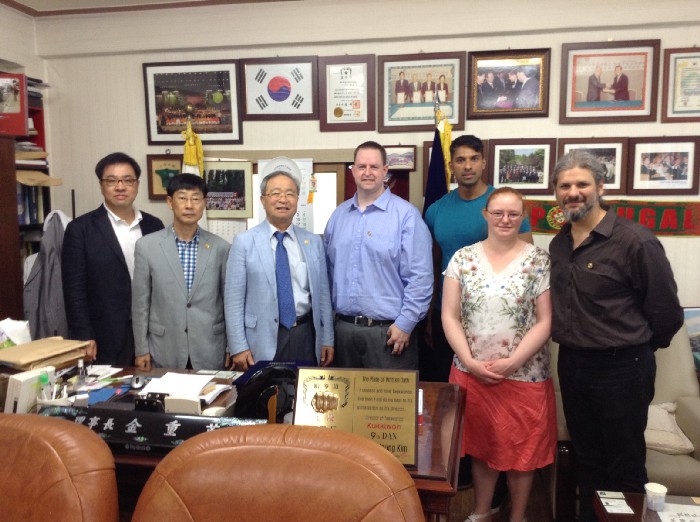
<point x="439" y="444"/>
<point x="637" y="501"/>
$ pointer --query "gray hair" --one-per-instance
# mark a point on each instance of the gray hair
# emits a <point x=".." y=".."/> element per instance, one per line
<point x="263" y="183"/>
<point x="581" y="159"/>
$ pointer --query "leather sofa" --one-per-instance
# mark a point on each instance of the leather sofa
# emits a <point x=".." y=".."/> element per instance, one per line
<point x="56" y="470"/>
<point x="279" y="472"/>
<point x="676" y="382"/>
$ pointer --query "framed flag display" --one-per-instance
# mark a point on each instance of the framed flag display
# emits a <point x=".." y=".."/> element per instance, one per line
<point x="280" y="88"/>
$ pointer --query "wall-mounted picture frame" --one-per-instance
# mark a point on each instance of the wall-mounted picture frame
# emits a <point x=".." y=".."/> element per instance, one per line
<point x="680" y="100"/>
<point x="230" y="185"/>
<point x="280" y="88"/>
<point x="346" y="91"/>
<point x="13" y="105"/>
<point x="664" y="166"/>
<point x="609" y="82"/>
<point x="612" y="152"/>
<point x="508" y="84"/>
<point x="206" y="92"/>
<point x="427" y="153"/>
<point x="401" y="157"/>
<point x="161" y="169"/>
<point x="411" y="84"/>
<point x="523" y="164"/>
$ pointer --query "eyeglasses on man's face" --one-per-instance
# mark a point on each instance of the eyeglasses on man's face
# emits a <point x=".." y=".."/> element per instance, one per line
<point x="113" y="182"/>
<point x="278" y="194"/>
<point x="183" y="200"/>
<point x="499" y="214"/>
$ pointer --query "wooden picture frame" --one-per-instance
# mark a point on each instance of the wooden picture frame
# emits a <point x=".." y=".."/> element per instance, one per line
<point x="14" y="109"/>
<point x="592" y="91"/>
<point x="161" y="169"/>
<point x="346" y="90"/>
<point x="230" y="188"/>
<point x="280" y="88"/>
<point x="401" y="157"/>
<point x="612" y="152"/>
<point x="680" y="101"/>
<point x="403" y="108"/>
<point x="508" y="84"/>
<point x="664" y="166"/>
<point x="523" y="164"/>
<point x="206" y="92"/>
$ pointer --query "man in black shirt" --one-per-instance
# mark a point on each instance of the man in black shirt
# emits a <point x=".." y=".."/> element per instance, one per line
<point x="614" y="302"/>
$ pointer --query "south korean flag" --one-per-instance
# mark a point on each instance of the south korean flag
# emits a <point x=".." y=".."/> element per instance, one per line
<point x="279" y="88"/>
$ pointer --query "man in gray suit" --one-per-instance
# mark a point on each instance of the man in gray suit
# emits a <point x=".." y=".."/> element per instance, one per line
<point x="277" y="299"/>
<point x="178" y="288"/>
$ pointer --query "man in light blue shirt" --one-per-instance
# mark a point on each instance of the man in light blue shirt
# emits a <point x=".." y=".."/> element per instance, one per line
<point x="379" y="254"/>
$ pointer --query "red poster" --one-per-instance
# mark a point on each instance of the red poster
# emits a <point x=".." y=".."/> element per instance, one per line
<point x="13" y="105"/>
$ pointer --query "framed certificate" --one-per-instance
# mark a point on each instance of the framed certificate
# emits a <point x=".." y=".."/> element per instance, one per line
<point x="346" y="86"/>
<point x="681" y="86"/>
<point x="280" y="88"/>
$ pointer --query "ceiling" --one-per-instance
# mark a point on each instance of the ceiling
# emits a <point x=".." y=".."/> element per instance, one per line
<point x="66" y="7"/>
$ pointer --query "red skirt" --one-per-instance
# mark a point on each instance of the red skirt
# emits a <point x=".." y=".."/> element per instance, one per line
<point x="510" y="425"/>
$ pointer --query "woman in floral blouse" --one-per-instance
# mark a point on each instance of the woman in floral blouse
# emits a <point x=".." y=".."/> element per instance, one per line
<point x="497" y="318"/>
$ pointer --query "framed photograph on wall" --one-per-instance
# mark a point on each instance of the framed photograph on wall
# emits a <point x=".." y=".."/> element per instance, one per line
<point x="280" y="88"/>
<point x="230" y="188"/>
<point x="609" y="82"/>
<point x="346" y="90"/>
<point x="427" y="153"/>
<point x="508" y="84"/>
<point x="664" y="166"/>
<point x="411" y="85"/>
<point x="523" y="164"/>
<point x="401" y="157"/>
<point x="612" y="152"/>
<point x="13" y="105"/>
<point x="206" y="92"/>
<point x="161" y="169"/>
<point x="680" y="100"/>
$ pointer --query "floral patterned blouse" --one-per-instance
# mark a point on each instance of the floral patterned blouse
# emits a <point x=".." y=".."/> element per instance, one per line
<point x="498" y="308"/>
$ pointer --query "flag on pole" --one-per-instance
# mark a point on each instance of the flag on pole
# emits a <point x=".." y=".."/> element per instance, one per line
<point x="437" y="183"/>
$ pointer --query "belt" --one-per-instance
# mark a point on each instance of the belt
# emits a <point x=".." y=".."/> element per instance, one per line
<point x="303" y="319"/>
<point x="361" y="320"/>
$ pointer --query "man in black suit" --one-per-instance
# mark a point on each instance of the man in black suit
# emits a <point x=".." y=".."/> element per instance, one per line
<point x="620" y="85"/>
<point x="529" y="94"/>
<point x="98" y="263"/>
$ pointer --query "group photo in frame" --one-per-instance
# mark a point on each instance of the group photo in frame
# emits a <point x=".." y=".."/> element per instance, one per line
<point x="611" y="152"/>
<point x="13" y="105"/>
<point x="523" y="164"/>
<point x="161" y="169"/>
<point x="205" y="93"/>
<point x="346" y="91"/>
<point x="401" y="157"/>
<point x="680" y="101"/>
<point x="230" y="184"/>
<point x="508" y="84"/>
<point x="609" y="82"/>
<point x="280" y="88"/>
<point x="664" y="165"/>
<point x="412" y="85"/>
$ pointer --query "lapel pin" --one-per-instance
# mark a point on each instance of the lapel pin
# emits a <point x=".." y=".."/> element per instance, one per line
<point x="206" y="245"/>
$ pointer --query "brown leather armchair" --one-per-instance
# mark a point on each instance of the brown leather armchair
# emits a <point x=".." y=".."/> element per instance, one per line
<point x="53" y="469"/>
<point x="279" y="472"/>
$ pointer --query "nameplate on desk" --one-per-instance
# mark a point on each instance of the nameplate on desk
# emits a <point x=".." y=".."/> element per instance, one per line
<point x="380" y="405"/>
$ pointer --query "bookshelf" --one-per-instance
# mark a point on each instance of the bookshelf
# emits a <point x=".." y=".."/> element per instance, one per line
<point x="20" y="232"/>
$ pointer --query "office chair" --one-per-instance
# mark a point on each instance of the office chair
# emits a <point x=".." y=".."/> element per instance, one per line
<point x="279" y="472"/>
<point x="53" y="469"/>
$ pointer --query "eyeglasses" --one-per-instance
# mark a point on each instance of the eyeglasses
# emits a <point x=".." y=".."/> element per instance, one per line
<point x="195" y="200"/>
<point x="113" y="182"/>
<point x="277" y="194"/>
<point x="512" y="216"/>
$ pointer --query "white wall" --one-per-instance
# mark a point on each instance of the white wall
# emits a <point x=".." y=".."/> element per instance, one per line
<point x="96" y="102"/>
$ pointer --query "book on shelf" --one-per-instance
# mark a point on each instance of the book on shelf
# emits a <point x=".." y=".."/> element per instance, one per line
<point x="33" y="205"/>
<point x="30" y="154"/>
<point x="31" y="162"/>
<point x="20" y="204"/>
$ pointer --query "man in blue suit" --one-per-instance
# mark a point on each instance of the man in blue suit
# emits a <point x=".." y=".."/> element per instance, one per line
<point x="97" y="264"/>
<point x="258" y="322"/>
